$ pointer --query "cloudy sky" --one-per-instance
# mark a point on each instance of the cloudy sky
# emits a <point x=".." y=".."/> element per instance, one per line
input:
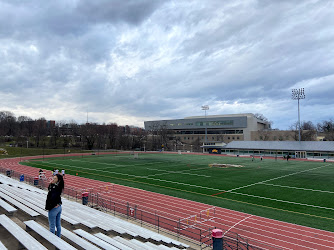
<point x="127" y="61"/>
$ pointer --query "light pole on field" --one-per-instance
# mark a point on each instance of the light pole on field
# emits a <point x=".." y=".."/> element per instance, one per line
<point x="298" y="94"/>
<point x="205" y="108"/>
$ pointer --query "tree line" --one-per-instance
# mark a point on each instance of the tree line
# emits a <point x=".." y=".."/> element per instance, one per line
<point x="309" y="131"/>
<point x="27" y="132"/>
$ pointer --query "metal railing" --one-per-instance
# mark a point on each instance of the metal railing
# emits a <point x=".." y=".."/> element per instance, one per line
<point x="181" y="229"/>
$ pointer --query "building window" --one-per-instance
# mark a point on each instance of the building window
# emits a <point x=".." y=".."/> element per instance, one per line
<point x="233" y="138"/>
<point x="228" y="138"/>
<point x="237" y="137"/>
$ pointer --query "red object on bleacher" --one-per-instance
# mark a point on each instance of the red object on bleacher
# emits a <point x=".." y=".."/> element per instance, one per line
<point x="217" y="233"/>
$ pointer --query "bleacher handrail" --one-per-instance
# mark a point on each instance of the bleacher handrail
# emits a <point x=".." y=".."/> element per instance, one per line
<point x="178" y="228"/>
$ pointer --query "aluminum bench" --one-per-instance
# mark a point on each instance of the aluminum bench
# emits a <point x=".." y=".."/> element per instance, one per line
<point x="2" y="246"/>
<point x="46" y="234"/>
<point x="25" y="239"/>
<point x="97" y="241"/>
<point x="77" y="240"/>
<point x="10" y="209"/>
<point x="112" y="241"/>
<point x="16" y="203"/>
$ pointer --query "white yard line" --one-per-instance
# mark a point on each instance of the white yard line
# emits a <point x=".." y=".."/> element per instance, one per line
<point x="279" y="177"/>
<point x="283" y="201"/>
<point x="306" y="189"/>
<point x="230" y="191"/>
<point x="176" y="172"/>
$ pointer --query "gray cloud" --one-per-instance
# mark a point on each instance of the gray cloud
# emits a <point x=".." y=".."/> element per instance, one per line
<point x="141" y="60"/>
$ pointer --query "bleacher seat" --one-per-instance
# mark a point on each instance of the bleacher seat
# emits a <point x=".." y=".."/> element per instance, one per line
<point x="46" y="234"/>
<point x="2" y="246"/>
<point x="77" y="240"/>
<point x="10" y="209"/>
<point x="18" y="204"/>
<point x="112" y="241"/>
<point x="22" y="236"/>
<point x="97" y="241"/>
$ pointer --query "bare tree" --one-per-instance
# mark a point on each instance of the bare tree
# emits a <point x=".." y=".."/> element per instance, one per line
<point x="89" y="133"/>
<point x="263" y="118"/>
<point x="7" y="123"/>
<point x="112" y="131"/>
<point x="327" y="127"/>
<point x="264" y="135"/>
<point x="39" y="130"/>
<point x="308" y="131"/>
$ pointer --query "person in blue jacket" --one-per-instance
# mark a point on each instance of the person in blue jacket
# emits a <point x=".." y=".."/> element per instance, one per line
<point x="53" y="203"/>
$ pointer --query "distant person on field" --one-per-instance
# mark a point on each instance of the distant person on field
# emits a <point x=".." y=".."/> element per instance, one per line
<point x="63" y="172"/>
<point x="56" y="171"/>
<point x="53" y="203"/>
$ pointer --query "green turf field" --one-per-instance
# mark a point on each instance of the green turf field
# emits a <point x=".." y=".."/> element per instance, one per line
<point x="294" y="191"/>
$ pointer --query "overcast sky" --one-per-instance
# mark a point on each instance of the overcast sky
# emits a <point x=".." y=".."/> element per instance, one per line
<point x="137" y="60"/>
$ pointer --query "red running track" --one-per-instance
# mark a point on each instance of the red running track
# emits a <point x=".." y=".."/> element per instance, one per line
<point x="261" y="232"/>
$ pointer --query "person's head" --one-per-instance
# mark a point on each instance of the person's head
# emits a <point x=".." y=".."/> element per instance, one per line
<point x="58" y="178"/>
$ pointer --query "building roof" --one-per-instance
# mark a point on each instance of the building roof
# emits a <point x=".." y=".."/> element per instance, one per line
<point x="215" y="116"/>
<point x="323" y="146"/>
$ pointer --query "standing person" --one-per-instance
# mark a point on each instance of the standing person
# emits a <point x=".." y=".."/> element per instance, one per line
<point x="56" y="171"/>
<point x="63" y="173"/>
<point x="40" y="173"/>
<point x="53" y="203"/>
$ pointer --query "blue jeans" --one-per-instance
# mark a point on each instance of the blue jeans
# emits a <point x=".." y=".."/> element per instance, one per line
<point x="54" y="220"/>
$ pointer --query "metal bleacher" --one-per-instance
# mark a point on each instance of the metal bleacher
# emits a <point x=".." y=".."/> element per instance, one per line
<point x="25" y="239"/>
<point x="82" y="226"/>
<point x="10" y="209"/>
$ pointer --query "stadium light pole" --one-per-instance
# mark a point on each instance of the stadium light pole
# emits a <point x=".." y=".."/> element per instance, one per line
<point x="298" y="94"/>
<point x="205" y="108"/>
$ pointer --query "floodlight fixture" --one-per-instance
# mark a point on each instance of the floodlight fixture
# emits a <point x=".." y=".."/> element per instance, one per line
<point x="298" y="94"/>
<point x="205" y="107"/>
